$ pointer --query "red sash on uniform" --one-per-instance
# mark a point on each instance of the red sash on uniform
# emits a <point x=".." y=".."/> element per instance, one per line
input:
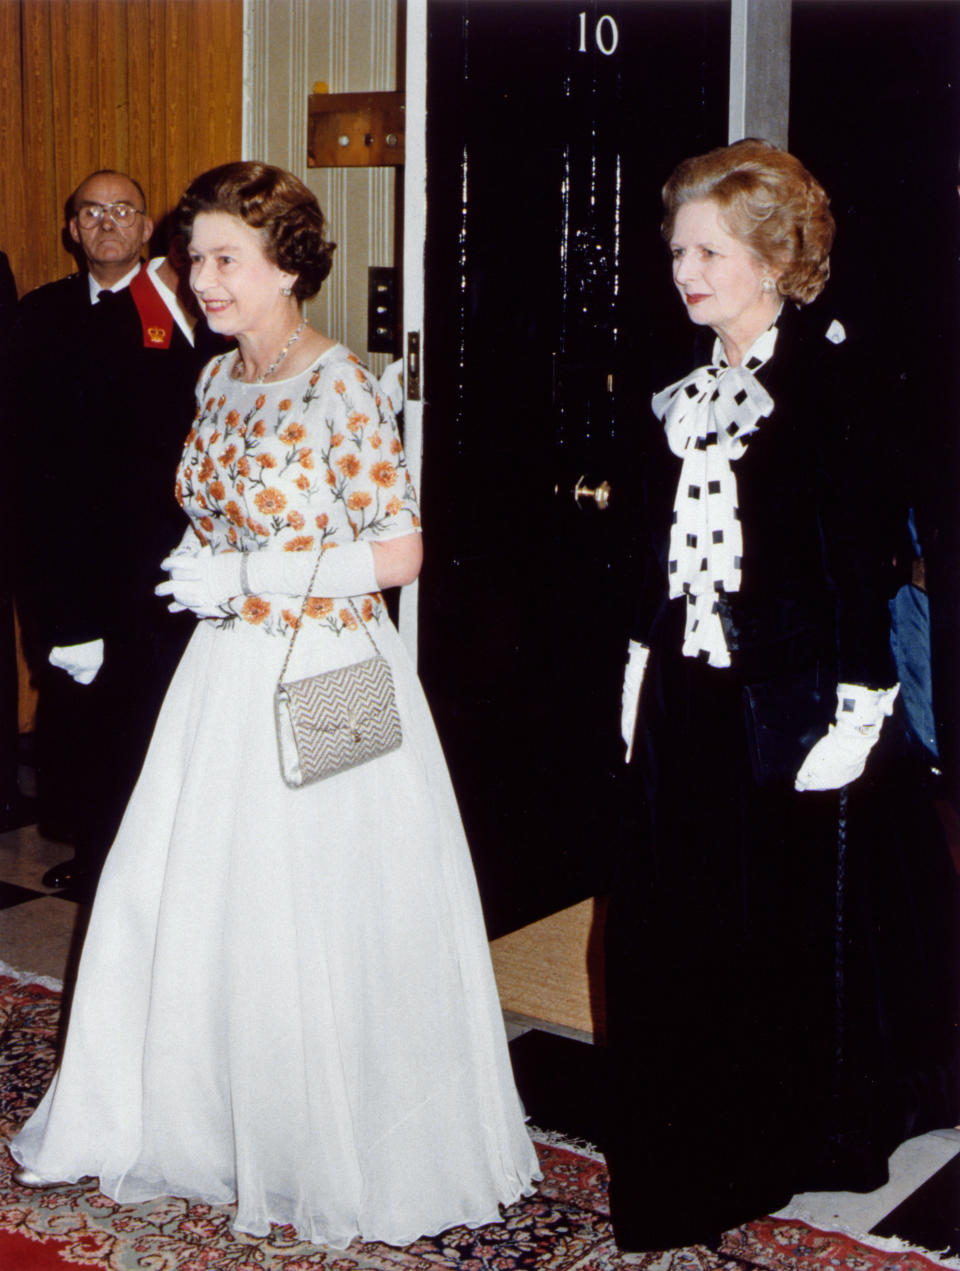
<point x="155" y="317"/>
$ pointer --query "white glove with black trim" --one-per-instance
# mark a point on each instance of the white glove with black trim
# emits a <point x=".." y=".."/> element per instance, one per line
<point x="841" y="756"/>
<point x="637" y="655"/>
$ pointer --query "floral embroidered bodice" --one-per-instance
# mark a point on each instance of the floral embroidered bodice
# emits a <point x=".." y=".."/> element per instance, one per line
<point x="295" y="465"/>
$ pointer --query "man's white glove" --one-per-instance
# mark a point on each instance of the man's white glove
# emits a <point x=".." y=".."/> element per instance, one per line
<point x="841" y="756"/>
<point x="202" y="583"/>
<point x="630" y="693"/>
<point x="80" y="661"/>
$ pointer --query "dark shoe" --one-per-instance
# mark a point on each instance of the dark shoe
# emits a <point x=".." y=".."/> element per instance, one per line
<point x="66" y="874"/>
<point x="16" y="812"/>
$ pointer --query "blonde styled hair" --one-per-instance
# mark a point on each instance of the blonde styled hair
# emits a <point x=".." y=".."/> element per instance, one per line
<point x="770" y="202"/>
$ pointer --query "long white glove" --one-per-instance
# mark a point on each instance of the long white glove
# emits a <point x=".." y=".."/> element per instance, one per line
<point x="205" y="582"/>
<point x="202" y="583"/>
<point x="80" y="661"/>
<point x="630" y="693"/>
<point x="841" y="756"/>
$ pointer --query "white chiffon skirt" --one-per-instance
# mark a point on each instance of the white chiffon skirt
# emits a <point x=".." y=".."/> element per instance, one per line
<point x="285" y="997"/>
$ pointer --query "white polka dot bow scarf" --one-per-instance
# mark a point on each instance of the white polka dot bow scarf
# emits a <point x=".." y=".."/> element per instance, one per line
<point x="708" y="418"/>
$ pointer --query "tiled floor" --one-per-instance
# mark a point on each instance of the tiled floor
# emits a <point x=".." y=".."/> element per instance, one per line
<point x="559" y="1077"/>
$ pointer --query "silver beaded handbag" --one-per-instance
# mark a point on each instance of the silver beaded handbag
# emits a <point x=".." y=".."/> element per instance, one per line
<point x="338" y="719"/>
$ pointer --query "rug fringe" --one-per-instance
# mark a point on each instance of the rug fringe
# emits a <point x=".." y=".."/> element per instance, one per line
<point x="885" y="1244"/>
<point x="30" y="977"/>
<point x="552" y="1138"/>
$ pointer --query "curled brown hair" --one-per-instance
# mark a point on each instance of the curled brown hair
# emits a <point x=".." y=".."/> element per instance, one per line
<point x="269" y="199"/>
<point x="770" y="202"/>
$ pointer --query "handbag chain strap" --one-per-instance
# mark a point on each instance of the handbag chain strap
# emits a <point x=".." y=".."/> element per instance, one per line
<point x="303" y="607"/>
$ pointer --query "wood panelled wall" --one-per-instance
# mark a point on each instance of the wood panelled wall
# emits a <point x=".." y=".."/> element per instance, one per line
<point x="149" y="87"/>
<point x="153" y="88"/>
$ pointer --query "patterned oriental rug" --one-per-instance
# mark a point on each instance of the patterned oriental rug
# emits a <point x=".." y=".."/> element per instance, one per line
<point x="564" y="1227"/>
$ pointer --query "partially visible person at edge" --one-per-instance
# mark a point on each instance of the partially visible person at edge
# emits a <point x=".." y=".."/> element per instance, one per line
<point x="286" y="999"/>
<point x="782" y="954"/>
<point x="107" y="361"/>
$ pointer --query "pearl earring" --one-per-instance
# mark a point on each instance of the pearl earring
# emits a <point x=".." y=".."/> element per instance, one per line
<point x="767" y="285"/>
<point x="286" y="291"/>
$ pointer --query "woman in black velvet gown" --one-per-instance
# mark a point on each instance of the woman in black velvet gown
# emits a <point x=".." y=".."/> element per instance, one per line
<point x="782" y="992"/>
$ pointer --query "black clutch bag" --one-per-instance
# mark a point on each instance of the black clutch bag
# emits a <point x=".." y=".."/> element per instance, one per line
<point x="785" y="716"/>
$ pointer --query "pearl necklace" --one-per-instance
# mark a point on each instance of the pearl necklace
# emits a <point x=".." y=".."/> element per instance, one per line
<point x="239" y="367"/>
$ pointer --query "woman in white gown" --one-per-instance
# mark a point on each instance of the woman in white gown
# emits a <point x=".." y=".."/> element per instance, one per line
<point x="285" y="998"/>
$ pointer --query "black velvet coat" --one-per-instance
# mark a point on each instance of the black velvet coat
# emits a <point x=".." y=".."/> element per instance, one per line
<point x="765" y="946"/>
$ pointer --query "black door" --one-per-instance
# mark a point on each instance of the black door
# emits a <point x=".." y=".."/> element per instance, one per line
<point x="551" y="127"/>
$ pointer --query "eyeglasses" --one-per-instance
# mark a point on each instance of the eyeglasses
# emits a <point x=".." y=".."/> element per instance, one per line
<point x="122" y="214"/>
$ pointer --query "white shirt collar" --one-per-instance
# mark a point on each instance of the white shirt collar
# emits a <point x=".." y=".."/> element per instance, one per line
<point x="125" y="281"/>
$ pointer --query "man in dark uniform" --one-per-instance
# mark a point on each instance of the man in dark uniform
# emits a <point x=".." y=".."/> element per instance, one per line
<point x="107" y="363"/>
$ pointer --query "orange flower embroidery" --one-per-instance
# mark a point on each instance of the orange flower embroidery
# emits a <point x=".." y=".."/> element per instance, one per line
<point x="285" y="404"/>
<point x="266" y="461"/>
<point x="270" y="501"/>
<point x="259" y="428"/>
<point x="376" y="440"/>
<point x="243" y="466"/>
<point x="206" y="469"/>
<point x="394" y="506"/>
<point x="232" y="535"/>
<point x="234" y="512"/>
<point x="339" y="386"/>
<point x="366" y="610"/>
<point x="233" y="418"/>
<point x="179" y="493"/>
<point x="331" y="479"/>
<point x="318" y="607"/>
<point x="227" y="457"/>
<point x="208" y="404"/>
<point x="256" y="528"/>
<point x="349" y="465"/>
<point x="258" y="404"/>
<point x="322" y="521"/>
<point x="359" y="500"/>
<point x="302" y="543"/>
<point x="356" y="420"/>
<point x="336" y="440"/>
<point x="214" y="437"/>
<point x="292" y="434"/>
<point x="220" y="401"/>
<point x="384" y="473"/>
<point x="215" y="490"/>
<point x="396" y="446"/>
<point x="302" y="482"/>
<point x="295" y="520"/>
<point x="201" y="500"/>
<point x="290" y="618"/>
<point x="255" y="609"/>
<point x="348" y="620"/>
<point x="206" y="523"/>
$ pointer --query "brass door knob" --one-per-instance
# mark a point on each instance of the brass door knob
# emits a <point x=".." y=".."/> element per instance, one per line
<point x="600" y="494"/>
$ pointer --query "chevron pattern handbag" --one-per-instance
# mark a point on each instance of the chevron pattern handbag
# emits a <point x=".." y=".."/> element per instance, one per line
<point x="338" y="719"/>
